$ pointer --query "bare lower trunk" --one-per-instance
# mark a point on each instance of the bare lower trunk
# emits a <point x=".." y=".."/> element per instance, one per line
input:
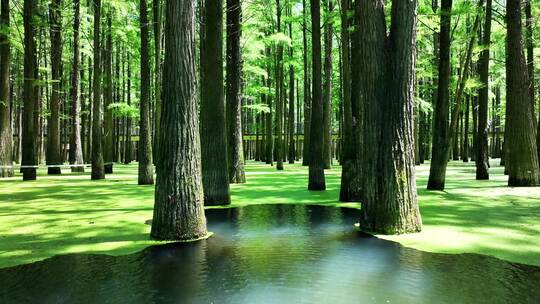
<point x="179" y="204"/>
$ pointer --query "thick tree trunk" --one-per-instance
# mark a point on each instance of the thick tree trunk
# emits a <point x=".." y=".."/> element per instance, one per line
<point x="521" y="149"/>
<point x="307" y="89"/>
<point x="54" y="156"/>
<point x="234" y="104"/>
<point x="316" y="162"/>
<point x="6" y="136"/>
<point x="108" y="124"/>
<point x="29" y="123"/>
<point x="179" y="203"/>
<point x="215" y="174"/>
<point x="75" y="146"/>
<point x="98" y="166"/>
<point x="146" y="168"/>
<point x="348" y="161"/>
<point x="441" y="131"/>
<point x="327" y="90"/>
<point x="482" y="158"/>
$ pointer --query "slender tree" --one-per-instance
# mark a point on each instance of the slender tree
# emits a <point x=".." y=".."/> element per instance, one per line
<point x="292" y="145"/>
<point x="146" y="169"/>
<point x="54" y="156"/>
<point x="156" y="10"/>
<point x="317" y="180"/>
<point x="482" y="159"/>
<point x="234" y="105"/>
<point x="280" y="96"/>
<point x="307" y="89"/>
<point x="441" y="131"/>
<point x="98" y="166"/>
<point x="520" y="140"/>
<point x="327" y="85"/>
<point x="215" y="174"/>
<point x="108" y="123"/>
<point x="6" y="136"/>
<point x="75" y="146"/>
<point x="179" y="203"/>
<point x="29" y="157"/>
<point x="348" y="172"/>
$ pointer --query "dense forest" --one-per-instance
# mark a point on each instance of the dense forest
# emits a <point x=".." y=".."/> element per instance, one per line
<point x="197" y="88"/>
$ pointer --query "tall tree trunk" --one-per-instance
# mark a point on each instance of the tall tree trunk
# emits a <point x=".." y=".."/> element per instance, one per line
<point x="215" y="174"/>
<point x="128" y="157"/>
<point x="54" y="156"/>
<point x="307" y="89"/>
<point x="179" y="203"/>
<point x="90" y="125"/>
<point x="29" y="124"/>
<point x="269" y="148"/>
<point x="75" y="146"/>
<point x="348" y="162"/>
<point x="108" y="124"/>
<point x="279" y="71"/>
<point x="317" y="180"/>
<point x="6" y="136"/>
<point x="521" y="149"/>
<point x="146" y="169"/>
<point x="327" y="86"/>
<point x="441" y="132"/>
<point x="157" y="12"/>
<point x="292" y="151"/>
<point x="482" y="158"/>
<point x="234" y="104"/>
<point x="98" y="166"/>
<point x="465" y="156"/>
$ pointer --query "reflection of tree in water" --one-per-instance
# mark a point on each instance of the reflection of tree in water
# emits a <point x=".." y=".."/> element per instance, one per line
<point x="282" y="253"/>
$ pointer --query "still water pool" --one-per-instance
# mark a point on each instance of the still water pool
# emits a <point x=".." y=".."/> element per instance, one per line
<point x="274" y="254"/>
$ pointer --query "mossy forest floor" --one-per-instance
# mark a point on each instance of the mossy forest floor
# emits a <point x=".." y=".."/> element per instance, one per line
<point x="71" y="214"/>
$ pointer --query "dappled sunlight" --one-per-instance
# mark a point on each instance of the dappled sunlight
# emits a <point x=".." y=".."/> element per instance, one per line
<point x="71" y="214"/>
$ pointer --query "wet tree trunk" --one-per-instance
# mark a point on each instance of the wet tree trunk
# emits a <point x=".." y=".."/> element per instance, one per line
<point x="54" y="156"/>
<point x="234" y="105"/>
<point x="98" y="166"/>
<point x="146" y="168"/>
<point x="108" y="125"/>
<point x="307" y="90"/>
<point x="29" y="160"/>
<point x="327" y="90"/>
<point x="316" y="162"/>
<point x="521" y="149"/>
<point x="215" y="174"/>
<point x="441" y="132"/>
<point x="179" y="202"/>
<point x="75" y="146"/>
<point x="6" y="136"/>
<point x="482" y="158"/>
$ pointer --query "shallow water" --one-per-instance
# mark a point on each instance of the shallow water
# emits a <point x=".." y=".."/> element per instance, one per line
<point x="274" y="254"/>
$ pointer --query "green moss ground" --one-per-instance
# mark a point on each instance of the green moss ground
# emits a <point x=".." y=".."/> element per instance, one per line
<point x="71" y="214"/>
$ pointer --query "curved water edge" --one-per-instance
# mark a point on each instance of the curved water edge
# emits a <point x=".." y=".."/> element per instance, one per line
<point x="278" y="253"/>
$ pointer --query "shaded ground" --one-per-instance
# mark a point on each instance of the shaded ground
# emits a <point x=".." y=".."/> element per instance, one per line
<point x="71" y="214"/>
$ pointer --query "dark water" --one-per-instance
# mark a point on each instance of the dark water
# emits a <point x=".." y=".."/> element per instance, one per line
<point x="274" y="254"/>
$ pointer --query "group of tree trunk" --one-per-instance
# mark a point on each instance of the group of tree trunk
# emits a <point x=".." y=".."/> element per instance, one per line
<point x="193" y="131"/>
